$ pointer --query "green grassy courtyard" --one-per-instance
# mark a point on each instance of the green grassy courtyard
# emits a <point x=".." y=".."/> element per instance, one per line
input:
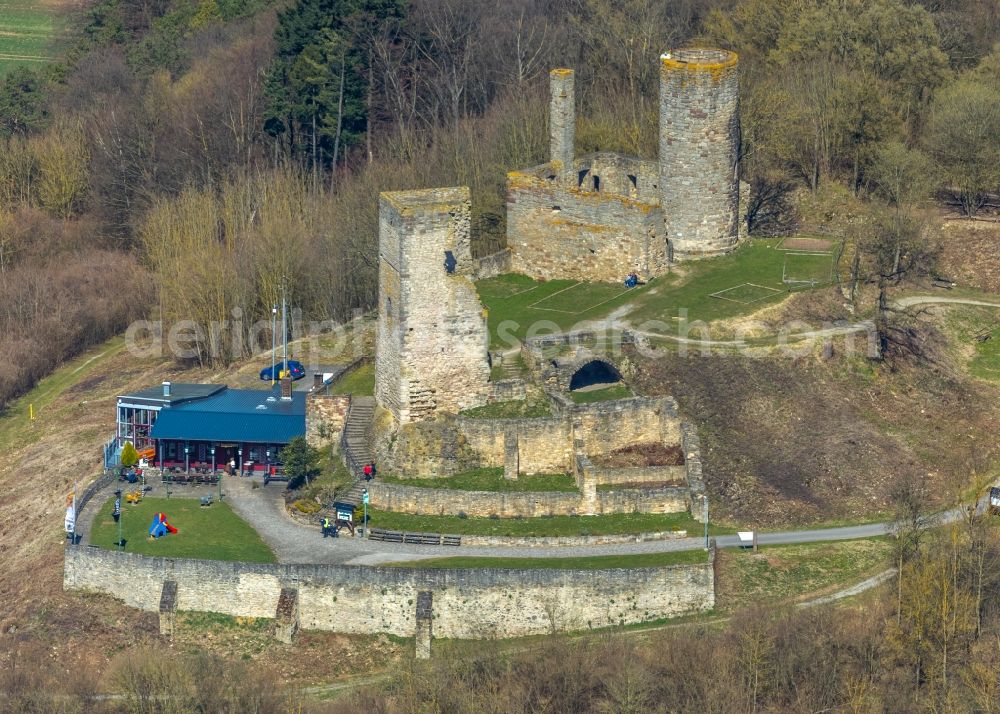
<point x="360" y="382"/>
<point x="210" y="533"/>
<point x="610" y="524"/>
<point x="728" y="286"/>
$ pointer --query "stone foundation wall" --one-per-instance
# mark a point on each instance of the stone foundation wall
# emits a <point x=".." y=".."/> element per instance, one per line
<point x="358" y="599"/>
<point x="555" y="231"/>
<point x="325" y="416"/>
<point x="528" y="504"/>
<point x="672" y="475"/>
<point x="453" y="444"/>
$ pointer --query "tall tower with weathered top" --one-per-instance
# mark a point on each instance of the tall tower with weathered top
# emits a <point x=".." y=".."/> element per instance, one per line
<point x="699" y="150"/>
<point x="562" y="119"/>
<point x="432" y="337"/>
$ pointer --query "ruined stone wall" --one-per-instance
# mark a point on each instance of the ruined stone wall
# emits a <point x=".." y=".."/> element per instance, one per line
<point x="325" y="415"/>
<point x="524" y="504"/>
<point x="431" y="350"/>
<point x="544" y="444"/>
<point x="607" y="426"/>
<point x="559" y="231"/>
<point x="699" y="146"/>
<point x="357" y="599"/>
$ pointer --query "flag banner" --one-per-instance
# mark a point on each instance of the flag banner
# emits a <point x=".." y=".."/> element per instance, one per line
<point x="71" y="517"/>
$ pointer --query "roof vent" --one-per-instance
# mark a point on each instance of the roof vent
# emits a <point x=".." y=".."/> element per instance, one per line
<point x="166" y="389"/>
<point x="272" y="399"/>
<point x="261" y="406"/>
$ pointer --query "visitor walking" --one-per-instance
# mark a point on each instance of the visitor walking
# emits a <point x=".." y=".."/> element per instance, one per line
<point x="327" y="526"/>
<point x="368" y="471"/>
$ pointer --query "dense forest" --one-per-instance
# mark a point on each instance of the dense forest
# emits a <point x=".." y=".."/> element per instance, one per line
<point x="191" y="157"/>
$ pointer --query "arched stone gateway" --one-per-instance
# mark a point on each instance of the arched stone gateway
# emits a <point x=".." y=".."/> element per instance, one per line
<point x="594" y="372"/>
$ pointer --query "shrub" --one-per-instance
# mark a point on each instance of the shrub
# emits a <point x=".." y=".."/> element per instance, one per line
<point x="304" y="505"/>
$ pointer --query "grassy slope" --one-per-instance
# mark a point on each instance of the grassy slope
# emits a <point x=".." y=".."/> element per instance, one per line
<point x="777" y="573"/>
<point x="29" y="33"/>
<point x="491" y="479"/>
<point x="641" y="560"/>
<point x="212" y="533"/>
<point x="545" y="526"/>
<point x="359" y="382"/>
<point x="606" y="394"/>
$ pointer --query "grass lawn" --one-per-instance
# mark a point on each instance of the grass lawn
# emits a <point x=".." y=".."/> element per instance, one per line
<point x="639" y="560"/>
<point x="360" y="382"/>
<point x="532" y="407"/>
<point x="492" y="480"/>
<point x="780" y="572"/>
<point x="213" y="533"/>
<point x="606" y="394"/>
<point x="525" y="302"/>
<point x="544" y="526"/>
<point x="29" y="33"/>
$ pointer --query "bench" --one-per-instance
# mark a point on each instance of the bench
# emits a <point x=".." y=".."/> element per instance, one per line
<point x="275" y="477"/>
<point x="413" y="538"/>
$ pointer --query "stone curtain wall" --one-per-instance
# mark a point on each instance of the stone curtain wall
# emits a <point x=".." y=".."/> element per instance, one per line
<point x="359" y="600"/>
<point x="559" y="231"/>
<point x="699" y="145"/>
<point x="544" y="444"/>
<point x="528" y="504"/>
<point x="638" y="474"/>
<point x="432" y="343"/>
<point x="607" y="426"/>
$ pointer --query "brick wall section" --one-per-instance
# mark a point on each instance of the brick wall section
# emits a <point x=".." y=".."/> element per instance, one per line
<point x="432" y="338"/>
<point x="559" y="231"/>
<point x="357" y="599"/>
<point x="325" y="415"/>
<point x="699" y="144"/>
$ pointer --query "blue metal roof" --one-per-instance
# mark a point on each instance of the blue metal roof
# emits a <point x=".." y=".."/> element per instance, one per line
<point x="235" y="415"/>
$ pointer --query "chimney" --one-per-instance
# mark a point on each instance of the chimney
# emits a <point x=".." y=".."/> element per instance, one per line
<point x="562" y="119"/>
<point x="166" y="389"/>
<point x="317" y="380"/>
<point x="286" y="388"/>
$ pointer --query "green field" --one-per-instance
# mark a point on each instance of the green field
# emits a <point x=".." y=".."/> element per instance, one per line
<point x="30" y="32"/>
<point x="605" y="394"/>
<point x="545" y="526"/>
<point x="212" y="533"/>
<point x="519" y="306"/>
<point x="359" y="382"/>
<point x="532" y="407"/>
<point x="599" y="562"/>
<point x="491" y="479"/>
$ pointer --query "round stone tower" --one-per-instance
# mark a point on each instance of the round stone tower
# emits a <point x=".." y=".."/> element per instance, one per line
<point x="699" y="145"/>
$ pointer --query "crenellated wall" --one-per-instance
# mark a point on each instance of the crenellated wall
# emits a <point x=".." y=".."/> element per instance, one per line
<point x="467" y="603"/>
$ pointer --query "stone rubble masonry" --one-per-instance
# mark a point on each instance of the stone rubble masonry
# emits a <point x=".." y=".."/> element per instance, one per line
<point x="325" y="415"/>
<point x="431" y="352"/>
<point x="425" y="624"/>
<point x="526" y="504"/>
<point x="568" y="541"/>
<point x="467" y="603"/>
<point x="168" y="608"/>
<point x="286" y="619"/>
<point x="699" y="150"/>
<point x="558" y="229"/>
<point x="691" y="445"/>
<point x="562" y="119"/>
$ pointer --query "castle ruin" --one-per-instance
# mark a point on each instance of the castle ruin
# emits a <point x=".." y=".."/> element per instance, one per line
<point x="603" y="215"/>
<point x="595" y="218"/>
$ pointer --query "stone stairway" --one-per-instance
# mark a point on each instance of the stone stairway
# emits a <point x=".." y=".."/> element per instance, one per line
<point x="357" y="450"/>
<point x="509" y="364"/>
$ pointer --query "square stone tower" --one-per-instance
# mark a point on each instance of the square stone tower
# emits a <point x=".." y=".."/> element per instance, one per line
<point x="432" y="335"/>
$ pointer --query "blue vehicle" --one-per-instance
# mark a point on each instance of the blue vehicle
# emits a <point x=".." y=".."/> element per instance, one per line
<point x="295" y="371"/>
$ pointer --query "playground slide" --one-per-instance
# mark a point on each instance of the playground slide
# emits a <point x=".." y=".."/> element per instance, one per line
<point x="160" y="526"/>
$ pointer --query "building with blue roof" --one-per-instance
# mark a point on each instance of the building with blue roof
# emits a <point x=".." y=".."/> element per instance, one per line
<point x="206" y="425"/>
